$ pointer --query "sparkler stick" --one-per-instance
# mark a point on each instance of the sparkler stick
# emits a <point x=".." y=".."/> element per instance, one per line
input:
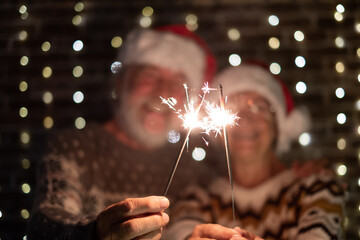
<point x="222" y="105"/>
<point x="186" y="140"/>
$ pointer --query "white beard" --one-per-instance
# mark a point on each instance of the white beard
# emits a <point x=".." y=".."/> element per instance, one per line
<point x="130" y="122"/>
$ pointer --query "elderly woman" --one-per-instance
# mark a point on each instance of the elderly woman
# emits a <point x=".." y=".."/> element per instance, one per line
<point x="271" y="201"/>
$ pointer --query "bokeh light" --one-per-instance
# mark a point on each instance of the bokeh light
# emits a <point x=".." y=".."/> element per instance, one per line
<point x="341" y="144"/>
<point x="339" y="42"/>
<point x="198" y="154"/>
<point x="357" y="27"/>
<point x="275" y="68"/>
<point x="80" y="123"/>
<point x="300" y="61"/>
<point x="76" y="20"/>
<point x="341" y="118"/>
<point x="341" y="170"/>
<point x="25" y="163"/>
<point x="233" y="34"/>
<point x="48" y="122"/>
<point x="79" y="7"/>
<point x="25" y="137"/>
<point x="22" y="9"/>
<point x="173" y="136"/>
<point x="305" y="139"/>
<point x="299" y="36"/>
<point x="301" y="87"/>
<point x="145" y="22"/>
<point x="273" y="20"/>
<point x="78" y="71"/>
<point x="45" y="46"/>
<point x="25" y="188"/>
<point x="339" y="92"/>
<point x="23" y="35"/>
<point x="115" y="67"/>
<point x="274" y="43"/>
<point x="340" y="8"/>
<point x="25" y="213"/>
<point x="78" y="45"/>
<point x="78" y="97"/>
<point x="357" y="104"/>
<point x="234" y="59"/>
<point x="23" y="112"/>
<point x="340" y="67"/>
<point x="338" y="16"/>
<point x="47" y="72"/>
<point x="23" y="86"/>
<point x="47" y="97"/>
<point x="147" y="11"/>
<point x="116" y="42"/>
<point x="24" y="60"/>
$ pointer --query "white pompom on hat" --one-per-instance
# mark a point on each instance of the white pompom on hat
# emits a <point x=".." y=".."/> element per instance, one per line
<point x="291" y="121"/>
<point x="173" y="47"/>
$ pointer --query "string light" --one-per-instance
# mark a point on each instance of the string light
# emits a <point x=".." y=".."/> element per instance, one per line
<point x="359" y="181"/>
<point x="301" y="87"/>
<point x="358" y="52"/>
<point x="22" y="9"/>
<point x="340" y="8"/>
<point x="191" y="22"/>
<point x="147" y="11"/>
<point x="233" y="34"/>
<point x="273" y="20"/>
<point x="47" y="72"/>
<point x="79" y="7"/>
<point x="274" y="43"/>
<point x="76" y="20"/>
<point x="24" y="60"/>
<point x="341" y="144"/>
<point x="275" y="68"/>
<point x="341" y="170"/>
<point x="47" y="97"/>
<point x="1" y="214"/>
<point x="339" y="92"/>
<point x="25" y="163"/>
<point x="339" y="42"/>
<point x="173" y="136"/>
<point x="305" y="139"/>
<point x="80" y="123"/>
<point x="24" y="16"/>
<point x="299" y="36"/>
<point x="358" y="77"/>
<point x="358" y="130"/>
<point x="145" y="22"/>
<point x="23" y="112"/>
<point x="338" y="16"/>
<point x="300" y="61"/>
<point x="78" y="45"/>
<point x="341" y="118"/>
<point x="23" y="86"/>
<point x="198" y="154"/>
<point x="23" y="35"/>
<point x="234" y="60"/>
<point x="25" y="137"/>
<point x="115" y="67"/>
<point x="25" y="188"/>
<point x="340" y="67"/>
<point x="77" y="71"/>
<point x="357" y="104"/>
<point x="357" y="27"/>
<point x="25" y="213"/>
<point x="48" y="122"/>
<point x="116" y="42"/>
<point x="78" y="97"/>
<point x="45" y="47"/>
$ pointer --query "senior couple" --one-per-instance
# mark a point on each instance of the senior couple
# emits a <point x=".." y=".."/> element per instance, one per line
<point x="106" y="181"/>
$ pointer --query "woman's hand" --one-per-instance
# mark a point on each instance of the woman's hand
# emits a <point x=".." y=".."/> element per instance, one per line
<point x="213" y="231"/>
<point x="245" y="235"/>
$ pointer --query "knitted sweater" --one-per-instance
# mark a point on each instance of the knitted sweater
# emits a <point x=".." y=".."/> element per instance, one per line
<point x="87" y="170"/>
<point x="283" y="207"/>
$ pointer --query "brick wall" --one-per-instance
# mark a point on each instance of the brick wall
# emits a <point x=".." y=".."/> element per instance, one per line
<point x="24" y="85"/>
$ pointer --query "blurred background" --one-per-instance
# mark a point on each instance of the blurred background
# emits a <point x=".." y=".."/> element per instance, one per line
<point x="57" y="59"/>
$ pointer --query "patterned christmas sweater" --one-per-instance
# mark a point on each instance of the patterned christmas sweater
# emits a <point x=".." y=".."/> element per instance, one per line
<point x="284" y="207"/>
<point x="84" y="171"/>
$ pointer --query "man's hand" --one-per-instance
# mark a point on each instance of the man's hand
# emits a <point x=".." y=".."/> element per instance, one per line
<point x="212" y="231"/>
<point x="133" y="218"/>
<point x="245" y="235"/>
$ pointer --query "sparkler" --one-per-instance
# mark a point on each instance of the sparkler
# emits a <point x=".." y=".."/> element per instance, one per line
<point x="222" y="105"/>
<point x="216" y="121"/>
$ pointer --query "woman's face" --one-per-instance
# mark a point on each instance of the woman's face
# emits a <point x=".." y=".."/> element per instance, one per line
<point x="254" y="136"/>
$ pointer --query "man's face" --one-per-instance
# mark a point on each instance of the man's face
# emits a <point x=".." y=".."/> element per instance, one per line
<point x="143" y="115"/>
<point x="255" y="134"/>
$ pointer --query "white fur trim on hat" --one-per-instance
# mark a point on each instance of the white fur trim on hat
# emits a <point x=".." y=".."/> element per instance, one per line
<point x="165" y="49"/>
<point x="256" y="79"/>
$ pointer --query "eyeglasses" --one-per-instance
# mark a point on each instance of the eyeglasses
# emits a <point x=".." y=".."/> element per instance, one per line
<point x="254" y="110"/>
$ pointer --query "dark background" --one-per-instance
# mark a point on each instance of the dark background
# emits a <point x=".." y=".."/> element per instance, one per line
<point x="22" y="135"/>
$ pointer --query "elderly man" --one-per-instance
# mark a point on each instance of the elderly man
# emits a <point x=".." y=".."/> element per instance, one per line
<point x="99" y="182"/>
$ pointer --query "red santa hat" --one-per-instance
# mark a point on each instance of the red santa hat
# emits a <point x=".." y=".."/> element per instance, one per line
<point x="173" y="47"/>
<point x="255" y="77"/>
